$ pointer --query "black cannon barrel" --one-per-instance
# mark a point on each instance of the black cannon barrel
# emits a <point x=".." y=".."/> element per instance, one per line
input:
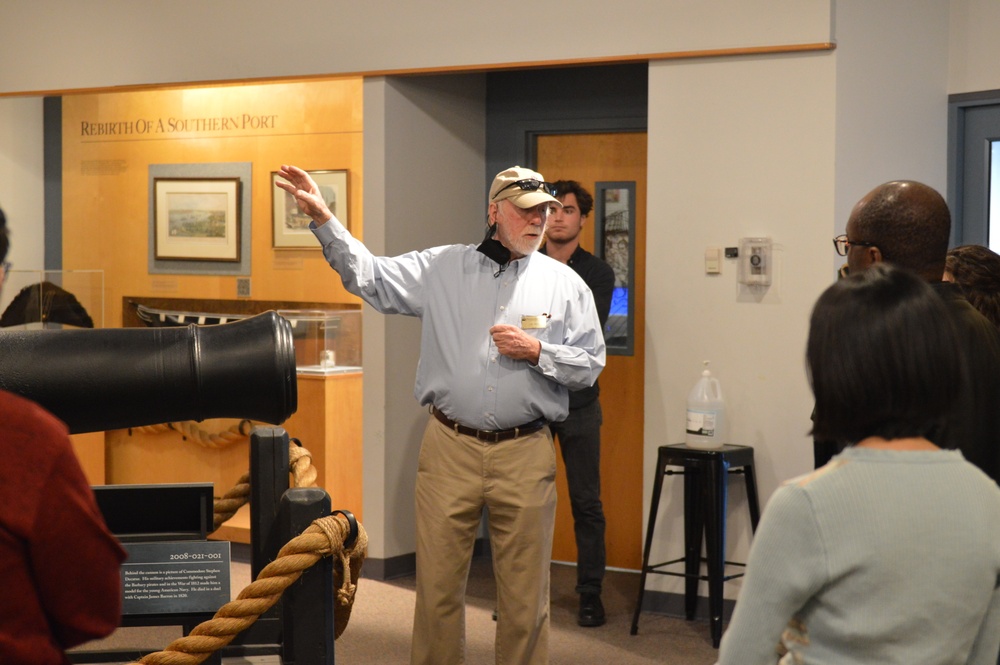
<point x="114" y="378"/>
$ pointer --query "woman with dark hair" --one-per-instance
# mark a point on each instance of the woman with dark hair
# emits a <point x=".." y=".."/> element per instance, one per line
<point x="891" y="552"/>
<point x="976" y="271"/>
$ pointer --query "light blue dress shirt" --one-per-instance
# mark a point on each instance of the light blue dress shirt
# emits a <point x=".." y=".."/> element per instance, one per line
<point x="455" y="293"/>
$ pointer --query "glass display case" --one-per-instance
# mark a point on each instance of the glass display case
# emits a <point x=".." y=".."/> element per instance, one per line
<point x="326" y="341"/>
<point x="44" y="299"/>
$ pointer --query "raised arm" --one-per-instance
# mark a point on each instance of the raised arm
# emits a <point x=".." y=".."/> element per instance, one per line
<point x="306" y="192"/>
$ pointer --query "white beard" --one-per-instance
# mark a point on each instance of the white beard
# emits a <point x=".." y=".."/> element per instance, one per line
<point x="522" y="245"/>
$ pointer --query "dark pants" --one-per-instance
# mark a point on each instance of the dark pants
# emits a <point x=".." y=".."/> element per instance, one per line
<point x="580" y="441"/>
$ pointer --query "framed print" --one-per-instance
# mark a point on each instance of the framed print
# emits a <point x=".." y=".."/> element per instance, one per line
<point x="614" y="238"/>
<point x="196" y="219"/>
<point x="291" y="227"/>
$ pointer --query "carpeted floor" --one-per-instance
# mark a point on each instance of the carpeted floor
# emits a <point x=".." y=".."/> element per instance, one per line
<point x="661" y="640"/>
<point x="382" y="620"/>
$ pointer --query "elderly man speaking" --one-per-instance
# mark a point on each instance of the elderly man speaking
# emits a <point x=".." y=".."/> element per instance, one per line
<point x="507" y="332"/>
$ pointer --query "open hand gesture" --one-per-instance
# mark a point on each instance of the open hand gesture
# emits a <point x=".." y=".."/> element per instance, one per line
<point x="306" y="192"/>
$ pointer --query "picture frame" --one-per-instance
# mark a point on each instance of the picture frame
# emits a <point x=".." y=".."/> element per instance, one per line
<point x="291" y="227"/>
<point x="197" y="219"/>
<point x="614" y="240"/>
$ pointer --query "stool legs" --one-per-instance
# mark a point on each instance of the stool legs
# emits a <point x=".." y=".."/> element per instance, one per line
<point x="715" y="542"/>
<point x="706" y="477"/>
<point x="694" y="528"/>
<point x="751" y="483"/>
<point x="653" y="505"/>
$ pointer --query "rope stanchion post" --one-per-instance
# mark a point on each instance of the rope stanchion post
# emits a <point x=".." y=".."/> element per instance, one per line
<point x="269" y="469"/>
<point x="307" y="608"/>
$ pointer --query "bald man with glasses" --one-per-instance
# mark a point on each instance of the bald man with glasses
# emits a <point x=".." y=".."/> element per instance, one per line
<point x="507" y="332"/>
<point x="908" y="224"/>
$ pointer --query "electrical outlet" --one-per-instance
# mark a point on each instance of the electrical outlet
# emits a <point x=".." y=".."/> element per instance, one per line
<point x="242" y="287"/>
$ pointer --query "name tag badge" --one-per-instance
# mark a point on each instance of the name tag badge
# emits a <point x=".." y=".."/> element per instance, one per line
<point x="537" y="322"/>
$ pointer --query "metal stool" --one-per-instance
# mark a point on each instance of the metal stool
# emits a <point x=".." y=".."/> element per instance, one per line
<point x="705" y="479"/>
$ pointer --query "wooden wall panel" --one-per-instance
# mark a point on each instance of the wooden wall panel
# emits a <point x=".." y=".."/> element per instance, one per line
<point x="109" y="142"/>
<point x="328" y="424"/>
<point x="110" y="139"/>
<point x="89" y="449"/>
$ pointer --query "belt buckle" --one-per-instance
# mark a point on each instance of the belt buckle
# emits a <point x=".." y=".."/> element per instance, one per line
<point x="488" y="436"/>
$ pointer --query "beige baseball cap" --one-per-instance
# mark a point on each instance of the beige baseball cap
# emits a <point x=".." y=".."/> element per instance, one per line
<point x="522" y="187"/>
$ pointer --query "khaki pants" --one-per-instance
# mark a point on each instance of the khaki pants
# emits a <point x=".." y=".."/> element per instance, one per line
<point x="457" y="476"/>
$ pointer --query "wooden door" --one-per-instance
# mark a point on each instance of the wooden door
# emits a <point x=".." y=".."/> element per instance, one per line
<point x="588" y="159"/>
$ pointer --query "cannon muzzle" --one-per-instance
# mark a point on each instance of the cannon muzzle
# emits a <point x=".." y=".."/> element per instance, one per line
<point x="128" y="377"/>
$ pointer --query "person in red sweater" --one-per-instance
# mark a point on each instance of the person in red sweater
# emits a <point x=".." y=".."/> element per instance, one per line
<point x="60" y="565"/>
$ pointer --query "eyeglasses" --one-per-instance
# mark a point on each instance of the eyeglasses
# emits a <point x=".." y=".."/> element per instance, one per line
<point x="5" y="267"/>
<point x="530" y="185"/>
<point x="842" y="244"/>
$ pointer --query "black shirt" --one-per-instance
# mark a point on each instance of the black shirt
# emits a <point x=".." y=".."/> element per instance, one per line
<point x="600" y="277"/>
<point x="975" y="427"/>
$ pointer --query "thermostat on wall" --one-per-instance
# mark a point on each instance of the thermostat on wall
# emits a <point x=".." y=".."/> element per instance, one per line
<point x="755" y="261"/>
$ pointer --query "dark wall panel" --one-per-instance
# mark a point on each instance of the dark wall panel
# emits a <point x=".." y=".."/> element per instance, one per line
<point x="522" y="104"/>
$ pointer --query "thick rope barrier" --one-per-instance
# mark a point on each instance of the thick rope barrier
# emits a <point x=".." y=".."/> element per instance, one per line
<point x="300" y="464"/>
<point x="304" y="474"/>
<point x="193" y="432"/>
<point x="324" y="537"/>
<point x="224" y="507"/>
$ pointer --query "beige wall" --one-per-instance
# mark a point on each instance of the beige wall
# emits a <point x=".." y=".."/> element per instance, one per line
<point x="317" y="125"/>
<point x="21" y="179"/>
<point x="780" y="146"/>
<point x="974" y="48"/>
<point x="892" y="103"/>
<point x="61" y="45"/>
<point x="737" y="148"/>
<point x="425" y="151"/>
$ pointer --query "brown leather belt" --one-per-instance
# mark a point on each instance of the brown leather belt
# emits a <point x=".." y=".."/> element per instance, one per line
<point x="490" y="435"/>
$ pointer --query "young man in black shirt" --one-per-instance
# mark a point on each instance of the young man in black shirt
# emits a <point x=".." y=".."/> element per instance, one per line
<point x="580" y="434"/>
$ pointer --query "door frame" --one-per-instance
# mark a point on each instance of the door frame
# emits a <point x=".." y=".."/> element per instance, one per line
<point x="958" y="106"/>
<point x="531" y="131"/>
<point x="523" y="105"/>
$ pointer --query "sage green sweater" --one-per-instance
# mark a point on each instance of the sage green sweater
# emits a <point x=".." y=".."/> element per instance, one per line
<point x="878" y="557"/>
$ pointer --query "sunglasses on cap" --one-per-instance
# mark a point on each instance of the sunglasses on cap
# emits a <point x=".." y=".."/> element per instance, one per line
<point x="529" y="185"/>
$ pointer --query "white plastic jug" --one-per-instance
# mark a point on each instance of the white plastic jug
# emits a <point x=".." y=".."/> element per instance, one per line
<point x="706" y="413"/>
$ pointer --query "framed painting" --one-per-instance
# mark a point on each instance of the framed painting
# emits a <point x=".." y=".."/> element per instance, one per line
<point x="196" y="219"/>
<point x="291" y="227"/>
<point x="614" y="239"/>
